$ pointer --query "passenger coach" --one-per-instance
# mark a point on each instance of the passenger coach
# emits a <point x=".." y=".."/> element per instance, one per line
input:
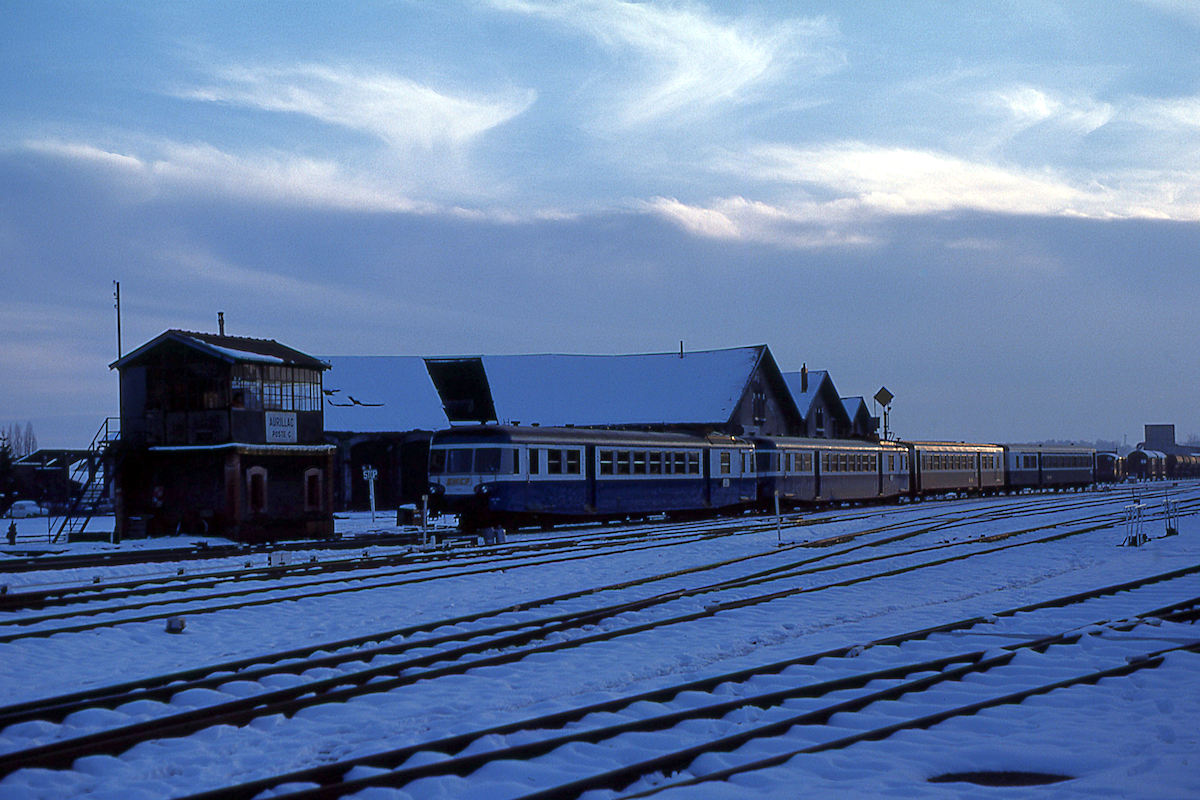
<point x="940" y="467"/>
<point x="505" y="475"/>
<point x="817" y="470"/>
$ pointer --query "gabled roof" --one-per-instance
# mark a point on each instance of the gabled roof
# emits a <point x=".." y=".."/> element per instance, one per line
<point x="233" y="349"/>
<point x="695" y="388"/>
<point x="820" y="385"/>
<point x="855" y="406"/>
<point x="380" y="394"/>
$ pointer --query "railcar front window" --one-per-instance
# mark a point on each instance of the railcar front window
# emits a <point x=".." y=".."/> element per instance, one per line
<point x="487" y="460"/>
<point x="458" y="462"/>
<point x="437" y="462"/>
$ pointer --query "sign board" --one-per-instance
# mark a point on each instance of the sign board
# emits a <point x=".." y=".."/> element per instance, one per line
<point x="884" y="397"/>
<point x="281" y="427"/>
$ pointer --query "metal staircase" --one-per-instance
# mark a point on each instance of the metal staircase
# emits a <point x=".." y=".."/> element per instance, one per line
<point x="93" y="474"/>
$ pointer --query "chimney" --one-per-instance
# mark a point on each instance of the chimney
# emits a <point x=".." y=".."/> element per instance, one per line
<point x="221" y="322"/>
<point x="804" y="377"/>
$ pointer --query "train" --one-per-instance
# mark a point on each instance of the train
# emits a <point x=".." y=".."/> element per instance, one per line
<point x="514" y="476"/>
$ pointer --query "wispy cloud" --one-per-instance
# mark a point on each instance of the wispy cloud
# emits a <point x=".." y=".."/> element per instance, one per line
<point x="280" y="179"/>
<point x="685" y="59"/>
<point x="1026" y="106"/>
<point x="833" y="193"/>
<point x="401" y="112"/>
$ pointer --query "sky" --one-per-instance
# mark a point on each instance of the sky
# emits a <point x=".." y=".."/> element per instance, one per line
<point x="990" y="208"/>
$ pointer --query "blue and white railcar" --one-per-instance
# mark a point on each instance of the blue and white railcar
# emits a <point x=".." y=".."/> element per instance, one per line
<point x="1043" y="466"/>
<point x="531" y="475"/>
<point x="819" y="470"/>
<point x="943" y="467"/>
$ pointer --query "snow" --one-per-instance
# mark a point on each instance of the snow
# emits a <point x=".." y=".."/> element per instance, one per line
<point x="1133" y="736"/>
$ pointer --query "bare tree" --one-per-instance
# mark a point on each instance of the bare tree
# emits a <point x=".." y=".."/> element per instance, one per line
<point x="29" y="439"/>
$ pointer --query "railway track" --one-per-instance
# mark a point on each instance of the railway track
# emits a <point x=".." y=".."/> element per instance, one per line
<point x="750" y="707"/>
<point x="321" y="587"/>
<point x="405" y="662"/>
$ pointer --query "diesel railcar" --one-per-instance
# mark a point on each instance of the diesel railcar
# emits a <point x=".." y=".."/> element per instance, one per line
<point x="820" y="470"/>
<point x="510" y="475"/>
<point x="1043" y="466"/>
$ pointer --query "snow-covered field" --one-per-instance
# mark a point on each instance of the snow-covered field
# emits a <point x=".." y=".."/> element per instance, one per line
<point x="1133" y="736"/>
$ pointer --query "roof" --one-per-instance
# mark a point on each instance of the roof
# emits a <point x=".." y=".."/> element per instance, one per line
<point x="380" y="394"/>
<point x="233" y="349"/>
<point x="819" y="385"/>
<point x="696" y="388"/>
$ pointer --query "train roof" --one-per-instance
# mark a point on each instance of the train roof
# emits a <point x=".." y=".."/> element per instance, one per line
<point x="550" y="435"/>
<point x="799" y="441"/>
<point x="1051" y="448"/>
<point x="929" y="445"/>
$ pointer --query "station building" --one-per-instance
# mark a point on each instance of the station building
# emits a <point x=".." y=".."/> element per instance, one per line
<point x="222" y="435"/>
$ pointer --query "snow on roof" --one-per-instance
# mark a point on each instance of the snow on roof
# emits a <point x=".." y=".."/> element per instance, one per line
<point x="699" y="387"/>
<point x="230" y="348"/>
<point x="377" y="394"/>
<point x="804" y="400"/>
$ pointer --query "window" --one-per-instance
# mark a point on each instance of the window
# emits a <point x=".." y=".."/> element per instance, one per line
<point x="693" y="463"/>
<point x="726" y="462"/>
<point x="437" y="461"/>
<point x="573" y="462"/>
<point x="656" y="463"/>
<point x="312" y="490"/>
<point x="554" y="462"/>
<point x="458" y="461"/>
<point x="535" y="465"/>
<point x="487" y="459"/>
<point x="639" y="462"/>
<point x="607" y="461"/>
<point x="624" y="462"/>
<point x="256" y="495"/>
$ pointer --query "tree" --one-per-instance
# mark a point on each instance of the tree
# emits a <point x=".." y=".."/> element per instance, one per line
<point x="7" y="479"/>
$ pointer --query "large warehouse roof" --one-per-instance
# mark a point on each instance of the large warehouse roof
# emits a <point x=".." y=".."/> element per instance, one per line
<point x="380" y="394"/>
<point x="699" y="387"/>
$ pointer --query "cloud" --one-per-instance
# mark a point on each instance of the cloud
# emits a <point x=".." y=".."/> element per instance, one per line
<point x="833" y="194"/>
<point x="401" y="112"/>
<point x="1027" y="106"/>
<point x="204" y="169"/>
<point x="690" y="62"/>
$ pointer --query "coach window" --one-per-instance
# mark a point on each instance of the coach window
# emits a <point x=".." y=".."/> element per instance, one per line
<point x="554" y="462"/>
<point x="606" y="462"/>
<point x="639" y="462"/>
<point x="656" y="463"/>
<point x="693" y="463"/>
<point x="534" y="461"/>
<point x="573" y="462"/>
<point x="725" y="462"/>
<point x="624" y="462"/>
<point x="514" y="460"/>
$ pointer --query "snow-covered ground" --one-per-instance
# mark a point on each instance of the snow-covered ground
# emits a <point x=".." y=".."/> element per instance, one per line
<point x="1134" y="736"/>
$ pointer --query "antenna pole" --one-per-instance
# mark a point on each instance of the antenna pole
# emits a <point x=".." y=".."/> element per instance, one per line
<point x="117" y="297"/>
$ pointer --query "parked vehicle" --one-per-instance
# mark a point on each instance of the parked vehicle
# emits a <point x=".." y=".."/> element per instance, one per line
<point x="26" y="508"/>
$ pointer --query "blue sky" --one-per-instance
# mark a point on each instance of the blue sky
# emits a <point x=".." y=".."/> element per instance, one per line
<point x="992" y="208"/>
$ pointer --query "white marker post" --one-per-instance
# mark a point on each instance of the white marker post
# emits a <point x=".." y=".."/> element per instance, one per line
<point x="369" y="475"/>
<point x="778" y="521"/>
